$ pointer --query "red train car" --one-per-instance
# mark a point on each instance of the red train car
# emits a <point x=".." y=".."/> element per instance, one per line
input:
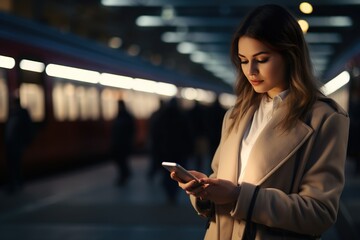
<point x="71" y="86"/>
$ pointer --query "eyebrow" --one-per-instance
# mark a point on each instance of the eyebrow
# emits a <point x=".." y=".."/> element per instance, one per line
<point x="256" y="54"/>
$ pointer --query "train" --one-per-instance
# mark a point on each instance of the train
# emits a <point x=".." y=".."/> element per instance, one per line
<point x="71" y="85"/>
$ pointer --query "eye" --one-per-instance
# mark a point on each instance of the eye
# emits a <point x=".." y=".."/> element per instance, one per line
<point x="243" y="61"/>
<point x="262" y="60"/>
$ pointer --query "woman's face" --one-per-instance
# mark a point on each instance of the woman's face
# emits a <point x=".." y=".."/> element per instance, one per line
<point x="265" y="69"/>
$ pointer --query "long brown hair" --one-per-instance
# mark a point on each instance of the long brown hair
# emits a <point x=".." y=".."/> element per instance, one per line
<point x="275" y="26"/>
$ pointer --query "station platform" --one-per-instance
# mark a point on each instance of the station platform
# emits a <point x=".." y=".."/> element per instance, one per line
<point x="87" y="204"/>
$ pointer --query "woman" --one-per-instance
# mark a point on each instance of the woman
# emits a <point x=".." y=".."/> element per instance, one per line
<point x="278" y="172"/>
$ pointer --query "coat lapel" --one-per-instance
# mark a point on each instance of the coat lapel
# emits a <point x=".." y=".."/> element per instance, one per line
<point x="273" y="147"/>
<point x="228" y="169"/>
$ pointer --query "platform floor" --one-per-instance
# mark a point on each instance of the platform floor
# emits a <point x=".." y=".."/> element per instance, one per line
<point x="86" y="204"/>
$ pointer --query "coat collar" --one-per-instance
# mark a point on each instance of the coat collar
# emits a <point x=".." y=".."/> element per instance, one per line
<point x="272" y="149"/>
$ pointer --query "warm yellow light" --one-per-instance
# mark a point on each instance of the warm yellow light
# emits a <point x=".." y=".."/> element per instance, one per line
<point x="306" y="7"/>
<point x="115" y="42"/>
<point x="7" y="62"/>
<point x="304" y="25"/>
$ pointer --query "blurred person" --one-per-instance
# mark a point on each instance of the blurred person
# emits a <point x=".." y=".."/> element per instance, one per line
<point x="154" y="144"/>
<point x="122" y="142"/>
<point x="200" y="143"/>
<point x="173" y="137"/>
<point x="18" y="135"/>
<point x="215" y="115"/>
<point x="278" y="172"/>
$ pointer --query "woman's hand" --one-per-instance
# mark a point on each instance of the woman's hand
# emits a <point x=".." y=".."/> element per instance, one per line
<point x="219" y="191"/>
<point x="192" y="187"/>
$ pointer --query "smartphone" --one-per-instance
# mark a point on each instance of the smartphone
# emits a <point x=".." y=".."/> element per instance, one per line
<point x="181" y="172"/>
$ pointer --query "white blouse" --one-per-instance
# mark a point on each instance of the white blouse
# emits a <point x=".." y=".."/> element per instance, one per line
<point x="261" y="117"/>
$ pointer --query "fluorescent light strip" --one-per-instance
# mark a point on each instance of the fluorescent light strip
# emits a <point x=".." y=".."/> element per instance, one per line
<point x="7" y="62"/>
<point x="144" y="85"/>
<point x="336" y="83"/>
<point x="72" y="73"/>
<point x="157" y="21"/>
<point x="118" y="81"/>
<point x="200" y="37"/>
<point x="331" y="21"/>
<point x="33" y="66"/>
<point x="323" y="37"/>
<point x="166" y="89"/>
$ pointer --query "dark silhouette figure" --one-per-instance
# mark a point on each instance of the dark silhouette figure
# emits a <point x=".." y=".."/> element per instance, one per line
<point x="172" y="134"/>
<point x="18" y="135"/>
<point x="198" y="123"/>
<point x="123" y="135"/>
<point x="215" y="115"/>
<point x="154" y="144"/>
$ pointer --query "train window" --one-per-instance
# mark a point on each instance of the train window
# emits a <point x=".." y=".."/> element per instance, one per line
<point x="88" y="99"/>
<point x="109" y="103"/>
<point x="33" y="98"/>
<point x="93" y="103"/>
<point x="58" y="103"/>
<point x="73" y="102"/>
<point x="65" y="102"/>
<point x="141" y="104"/>
<point x="3" y="97"/>
<point x="81" y="95"/>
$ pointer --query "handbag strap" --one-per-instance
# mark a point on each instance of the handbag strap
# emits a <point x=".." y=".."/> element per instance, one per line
<point x="250" y="227"/>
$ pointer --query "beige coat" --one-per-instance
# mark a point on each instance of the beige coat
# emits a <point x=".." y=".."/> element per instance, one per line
<point x="319" y="144"/>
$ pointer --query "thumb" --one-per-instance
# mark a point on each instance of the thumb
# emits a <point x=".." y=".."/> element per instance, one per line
<point x="208" y="180"/>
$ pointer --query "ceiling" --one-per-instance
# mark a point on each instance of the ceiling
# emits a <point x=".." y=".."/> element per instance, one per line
<point x="193" y="36"/>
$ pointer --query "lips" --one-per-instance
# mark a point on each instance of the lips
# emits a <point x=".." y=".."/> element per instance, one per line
<point x="256" y="82"/>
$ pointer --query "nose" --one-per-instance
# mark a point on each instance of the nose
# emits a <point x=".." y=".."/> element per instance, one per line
<point x="253" y="68"/>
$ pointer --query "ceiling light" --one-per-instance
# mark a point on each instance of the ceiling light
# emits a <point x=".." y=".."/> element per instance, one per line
<point x="149" y="21"/>
<point x="227" y="99"/>
<point x="168" y="13"/>
<point x="145" y="85"/>
<point x="118" y="2"/>
<point x="306" y="7"/>
<point x="156" y="21"/>
<point x="336" y="83"/>
<point x="304" y="25"/>
<point x="72" y="73"/>
<point x="115" y="42"/>
<point x="323" y="38"/>
<point x="332" y="21"/>
<point x="7" y="62"/>
<point x="133" y="50"/>
<point x="199" y="57"/>
<point x="199" y="37"/>
<point x="114" y="80"/>
<point x="166" y="89"/>
<point x="186" y="47"/>
<point x="33" y="66"/>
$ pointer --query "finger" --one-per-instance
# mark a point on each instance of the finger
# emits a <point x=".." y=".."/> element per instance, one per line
<point x="204" y="195"/>
<point x="195" y="190"/>
<point x="208" y="181"/>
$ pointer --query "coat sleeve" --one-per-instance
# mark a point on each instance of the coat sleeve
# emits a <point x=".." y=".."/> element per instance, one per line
<point x="313" y="209"/>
